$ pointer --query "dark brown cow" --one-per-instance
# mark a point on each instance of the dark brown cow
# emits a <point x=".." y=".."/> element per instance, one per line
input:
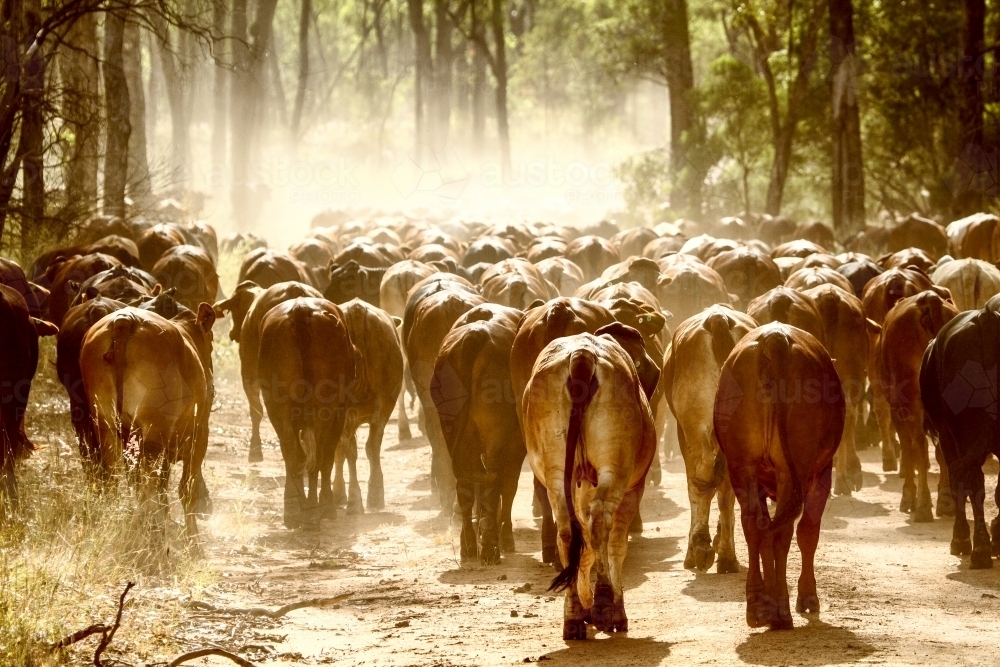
<point x="590" y="440"/>
<point x="156" y="240"/>
<point x="690" y="379"/>
<point x="433" y="317"/>
<point x="746" y="273"/>
<point x="632" y="241"/>
<point x="915" y="231"/>
<point x="190" y="271"/>
<point x="122" y="249"/>
<point x="19" y="334"/>
<point x="374" y="255"/>
<point x="152" y="377"/>
<point x="908" y="257"/>
<point x="789" y="306"/>
<point x="779" y="416"/>
<point x="248" y="336"/>
<point x="67" y="278"/>
<point x="380" y="376"/>
<point x="13" y="277"/>
<point x="911" y="324"/>
<point x="814" y="276"/>
<point x="490" y="249"/>
<point x="478" y="416"/>
<point x="859" y="272"/>
<point x="307" y="367"/>
<point x="592" y="254"/>
<point x="313" y="253"/>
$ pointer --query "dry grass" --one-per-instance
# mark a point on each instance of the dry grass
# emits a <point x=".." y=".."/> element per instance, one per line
<point x="68" y="552"/>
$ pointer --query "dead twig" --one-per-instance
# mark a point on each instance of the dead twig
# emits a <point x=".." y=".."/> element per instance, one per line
<point x="107" y="632"/>
<point x="202" y="652"/>
<point x="267" y="613"/>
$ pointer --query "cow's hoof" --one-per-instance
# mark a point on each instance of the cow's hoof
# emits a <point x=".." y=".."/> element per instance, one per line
<point x="655" y="475"/>
<point x="857" y="480"/>
<point x="840" y="487"/>
<point x="961" y="547"/>
<point x="549" y="556"/>
<point x="574" y="628"/>
<point x="781" y="623"/>
<point x="507" y="543"/>
<point x="620" y="622"/>
<point x="945" y="505"/>
<point x="757" y="616"/>
<point x="602" y="614"/>
<point x="727" y="565"/>
<point x="922" y="515"/>
<point x="700" y="554"/>
<point x="635" y="528"/>
<point x="980" y="560"/>
<point x="256" y="454"/>
<point x="536" y="507"/>
<point x="906" y="503"/>
<point x="490" y="555"/>
<point x="807" y="604"/>
<point x="889" y="465"/>
<point x="355" y="508"/>
<point x="339" y="496"/>
<point x="404" y="434"/>
<point x="292" y="520"/>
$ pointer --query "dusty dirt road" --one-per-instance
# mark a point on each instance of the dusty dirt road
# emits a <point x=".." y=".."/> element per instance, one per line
<point x="890" y="591"/>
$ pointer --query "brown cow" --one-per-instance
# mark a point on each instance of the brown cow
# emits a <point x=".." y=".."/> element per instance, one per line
<point x="592" y="254"/>
<point x="307" y="367"/>
<point x="66" y="279"/>
<point x="397" y="282"/>
<point x="590" y="440"/>
<point x="915" y="231"/>
<point x="268" y="267"/>
<point x="380" y="375"/>
<point x="476" y="408"/>
<point x="779" y="416"/>
<point x="799" y="248"/>
<point x="515" y="283"/>
<point x="13" y="277"/>
<point x="19" y="334"/>
<point x="151" y="377"/>
<point x="562" y="274"/>
<point x="746" y="273"/>
<point x="248" y="333"/>
<point x="190" y="271"/>
<point x="690" y="378"/>
<point x="632" y="241"/>
<point x="846" y="331"/>
<point x="156" y="240"/>
<point x="432" y="319"/>
<point x="813" y="276"/>
<point x="908" y="257"/>
<point x="911" y="324"/>
<point x="789" y="306"/>
<point x="971" y="282"/>
<point x="686" y="289"/>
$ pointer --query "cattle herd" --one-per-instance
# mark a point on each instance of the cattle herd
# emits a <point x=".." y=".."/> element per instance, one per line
<point x="767" y="352"/>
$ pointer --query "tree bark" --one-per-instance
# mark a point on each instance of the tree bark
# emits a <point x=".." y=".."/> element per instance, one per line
<point x="80" y="110"/>
<point x="139" y="186"/>
<point x="175" y="85"/>
<point x="478" y="85"/>
<point x="423" y="72"/>
<point x="220" y="82"/>
<point x="500" y="73"/>
<point x="971" y="150"/>
<point x="32" y="131"/>
<point x="300" y="90"/>
<point x="116" y="104"/>
<point x="848" y="177"/>
<point x="444" y="56"/>
<point x="679" y="74"/>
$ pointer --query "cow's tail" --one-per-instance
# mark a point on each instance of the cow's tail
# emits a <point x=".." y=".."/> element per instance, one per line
<point x="455" y="417"/>
<point x="121" y="330"/>
<point x="717" y="325"/>
<point x="518" y="288"/>
<point x="306" y="430"/>
<point x="970" y="285"/>
<point x="775" y="357"/>
<point x="582" y="385"/>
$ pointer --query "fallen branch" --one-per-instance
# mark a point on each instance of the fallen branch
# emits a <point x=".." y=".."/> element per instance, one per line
<point x="267" y="613"/>
<point x="202" y="652"/>
<point x="107" y="632"/>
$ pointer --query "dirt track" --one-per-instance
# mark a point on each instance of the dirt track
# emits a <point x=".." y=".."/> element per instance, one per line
<point x="890" y="591"/>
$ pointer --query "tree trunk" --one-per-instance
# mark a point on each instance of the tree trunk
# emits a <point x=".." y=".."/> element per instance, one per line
<point x="300" y="90"/>
<point x="220" y="83"/>
<point x="32" y="132"/>
<point x="139" y="186"/>
<point x="784" y="132"/>
<point x="116" y="104"/>
<point x="848" y="177"/>
<point x="444" y="56"/>
<point x="250" y="78"/>
<point x="423" y="72"/>
<point x="500" y="72"/>
<point x="280" y="102"/>
<point x="478" y="85"/>
<point x="175" y="85"/>
<point x="80" y="109"/>
<point x="687" y="177"/>
<point x="153" y="87"/>
<point x="971" y="149"/>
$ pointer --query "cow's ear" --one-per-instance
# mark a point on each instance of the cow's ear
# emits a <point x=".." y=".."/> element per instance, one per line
<point x="156" y="290"/>
<point x="73" y="286"/>
<point x="396" y="321"/>
<point x="874" y="328"/>
<point x="534" y="304"/>
<point x="667" y="315"/>
<point x="206" y="316"/>
<point x="943" y="292"/>
<point x="43" y="328"/>
<point x="91" y="293"/>
<point x="734" y="299"/>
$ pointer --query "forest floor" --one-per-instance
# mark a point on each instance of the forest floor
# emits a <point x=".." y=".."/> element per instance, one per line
<point x="890" y="592"/>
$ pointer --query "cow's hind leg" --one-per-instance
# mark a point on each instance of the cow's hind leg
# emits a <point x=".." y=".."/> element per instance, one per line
<point x="574" y="616"/>
<point x="402" y="420"/>
<point x="880" y="406"/>
<point x="617" y="548"/>
<point x="550" y="554"/>
<point x="251" y="386"/>
<point x="725" y="536"/>
<point x="961" y="543"/>
<point x="907" y="465"/>
<point x="509" y="474"/>
<point x="466" y="491"/>
<point x="8" y="487"/>
<point x="354" y="504"/>
<point x="373" y="451"/>
<point x="700" y="475"/>
<point x="945" y="503"/>
<point x="781" y="540"/>
<point x="755" y="520"/>
<point x="923" y="510"/>
<point x="807" y="601"/>
<point x="995" y="526"/>
<point x="981" y="558"/>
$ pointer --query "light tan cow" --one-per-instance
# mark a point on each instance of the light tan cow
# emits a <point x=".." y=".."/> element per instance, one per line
<point x="590" y="439"/>
<point x="971" y="282"/>
<point x="690" y="378"/>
